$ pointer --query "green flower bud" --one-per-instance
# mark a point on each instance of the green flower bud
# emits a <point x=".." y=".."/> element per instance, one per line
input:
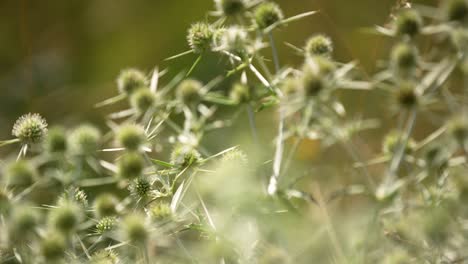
<point x="189" y="91"/>
<point x="290" y="86"/>
<point x="104" y="257"/>
<point x="131" y="136"/>
<point x="84" y="140"/>
<point x="230" y="7"/>
<point x="200" y="37"/>
<point x="130" y="80"/>
<point x="142" y="100"/>
<point x="53" y="247"/>
<point x="80" y="197"/>
<point x="184" y="156"/>
<point x="106" y="224"/>
<point x="408" y="23"/>
<point x="30" y="128"/>
<point x="406" y="96"/>
<point x="66" y="217"/>
<point x="20" y="174"/>
<point x="456" y="10"/>
<point x="55" y="141"/>
<point x="140" y="188"/>
<point x="240" y="93"/>
<point x="267" y="14"/>
<point x="160" y="211"/>
<point x="23" y="221"/>
<point x="106" y="205"/>
<point x="134" y="229"/>
<point x="312" y="84"/>
<point x="404" y="58"/>
<point x="234" y="39"/>
<point x="130" y="165"/>
<point x="319" y="45"/>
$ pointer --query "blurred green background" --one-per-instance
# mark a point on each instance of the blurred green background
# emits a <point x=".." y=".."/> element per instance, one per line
<point x="59" y="58"/>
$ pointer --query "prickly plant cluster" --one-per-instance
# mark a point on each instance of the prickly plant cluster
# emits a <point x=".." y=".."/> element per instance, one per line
<point x="147" y="187"/>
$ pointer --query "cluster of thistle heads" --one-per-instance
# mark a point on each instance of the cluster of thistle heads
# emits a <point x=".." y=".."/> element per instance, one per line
<point x="146" y="190"/>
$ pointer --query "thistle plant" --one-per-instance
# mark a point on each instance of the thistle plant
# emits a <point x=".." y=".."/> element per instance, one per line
<point x="146" y="186"/>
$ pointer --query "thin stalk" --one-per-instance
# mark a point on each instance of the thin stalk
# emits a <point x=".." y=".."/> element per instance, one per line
<point x="253" y="127"/>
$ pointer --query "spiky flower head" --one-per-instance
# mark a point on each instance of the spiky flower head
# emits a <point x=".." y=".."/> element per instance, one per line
<point x="105" y="205"/>
<point x="290" y="86"/>
<point x="189" y="91"/>
<point x="84" y="140"/>
<point x="404" y="58"/>
<point x="140" y="187"/>
<point x="20" y="173"/>
<point x="23" y="221"/>
<point x="66" y="217"/>
<point x="80" y="197"/>
<point x="456" y="10"/>
<point x="184" y="156"/>
<point x="408" y="23"/>
<point x="30" y="128"/>
<point x="130" y="80"/>
<point x="267" y="14"/>
<point x="234" y="39"/>
<point x="134" y="228"/>
<point x="131" y="136"/>
<point x="200" y="37"/>
<point x="56" y="140"/>
<point x="106" y="224"/>
<point x="142" y="100"/>
<point x="406" y="96"/>
<point x="160" y="211"/>
<point x="319" y="45"/>
<point x="240" y="93"/>
<point x="130" y="166"/>
<point x="230" y="7"/>
<point x="312" y="84"/>
<point x="53" y="246"/>
<point x="104" y="257"/>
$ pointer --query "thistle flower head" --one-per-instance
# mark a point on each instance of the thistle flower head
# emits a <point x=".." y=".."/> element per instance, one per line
<point x="56" y="141"/>
<point x="106" y="224"/>
<point x="140" y="187"/>
<point x="290" y="86"/>
<point x="319" y="45"/>
<point x="53" y="246"/>
<point x="104" y="257"/>
<point x="234" y="39"/>
<point x="189" y="91"/>
<point x="105" y="205"/>
<point x="130" y="80"/>
<point x="20" y="173"/>
<point x="66" y="217"/>
<point x="24" y="220"/>
<point x="312" y="83"/>
<point x="408" y="23"/>
<point x="184" y="156"/>
<point x="456" y="10"/>
<point x="30" y="128"/>
<point x="142" y="100"/>
<point x="240" y="93"/>
<point x="200" y="37"/>
<point x="230" y="7"/>
<point x="267" y="14"/>
<point x="406" y="96"/>
<point x="130" y="165"/>
<point x="80" y="197"/>
<point x="84" y="140"/>
<point x="160" y="211"/>
<point x="134" y="228"/>
<point x="404" y="58"/>
<point x="131" y="136"/>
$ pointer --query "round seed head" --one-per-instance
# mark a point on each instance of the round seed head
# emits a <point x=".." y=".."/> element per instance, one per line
<point x="267" y="14"/>
<point x="200" y="37"/>
<point x="312" y="84"/>
<point x="20" y="174"/>
<point x="456" y="10"/>
<point x="30" y="128"/>
<point x="142" y="100"/>
<point x="234" y="39"/>
<point x="140" y="188"/>
<point x="66" y="217"/>
<point x="53" y="247"/>
<point x="134" y="228"/>
<point x="130" y="166"/>
<point x="406" y="96"/>
<point x="106" y="205"/>
<point x="131" y="136"/>
<point x="319" y="45"/>
<point x="84" y="140"/>
<point x="24" y="220"/>
<point x="189" y="91"/>
<point x="106" y="224"/>
<point x="184" y="156"/>
<point x="130" y="80"/>
<point x="55" y="141"/>
<point x="404" y="58"/>
<point x="240" y="93"/>
<point x="408" y="23"/>
<point x="161" y="211"/>
<point x="230" y="7"/>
